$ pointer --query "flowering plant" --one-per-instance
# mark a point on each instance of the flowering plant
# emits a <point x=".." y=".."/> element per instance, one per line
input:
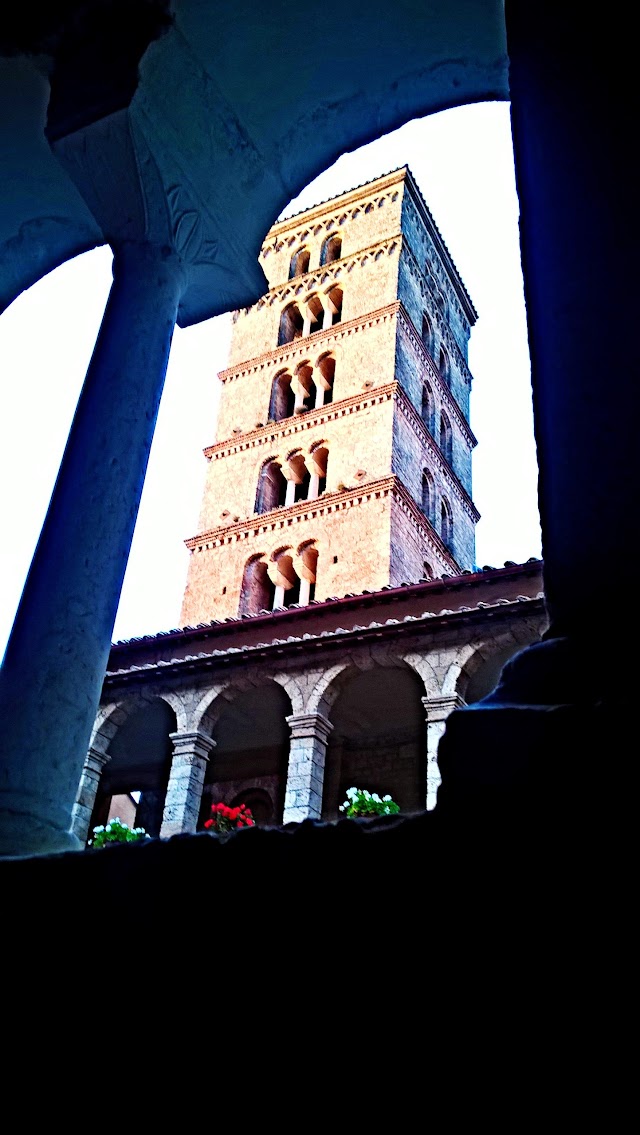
<point x="359" y="802"/>
<point x="225" y="819"/>
<point x="116" y="832"/>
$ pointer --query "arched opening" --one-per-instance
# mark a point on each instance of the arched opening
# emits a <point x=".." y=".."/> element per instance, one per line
<point x="272" y="487"/>
<point x="299" y="263"/>
<point x="300" y="477"/>
<point x="428" y="408"/>
<point x="308" y="554"/>
<point x="291" y="324"/>
<point x="286" y="580"/>
<point x="331" y="249"/>
<point x="316" y="314"/>
<point x="446" y="524"/>
<point x="282" y="397"/>
<point x="307" y="391"/>
<point x="482" y="673"/>
<point x="257" y="591"/>
<point x="378" y="740"/>
<point x="135" y="779"/>
<point x="249" y="762"/>
<point x="326" y="370"/>
<point x="428" y="496"/>
<point x="318" y="460"/>
<point x="446" y="438"/>
<point x="427" y="570"/>
<point x="335" y="305"/>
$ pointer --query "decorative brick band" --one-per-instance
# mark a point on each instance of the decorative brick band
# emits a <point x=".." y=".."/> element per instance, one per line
<point x="350" y="204"/>
<point x="309" y="281"/>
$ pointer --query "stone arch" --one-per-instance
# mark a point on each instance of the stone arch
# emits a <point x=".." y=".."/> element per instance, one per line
<point x="477" y="668"/>
<point x="446" y="438"/>
<point x="247" y="719"/>
<point x="378" y="740"/>
<point x="136" y="735"/>
<point x="333" y="300"/>
<point x="326" y="369"/>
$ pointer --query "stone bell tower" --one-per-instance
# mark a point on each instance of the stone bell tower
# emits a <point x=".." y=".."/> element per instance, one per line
<point x="343" y="453"/>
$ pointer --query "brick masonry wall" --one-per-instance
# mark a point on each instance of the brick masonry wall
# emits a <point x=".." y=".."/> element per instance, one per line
<point x="363" y="353"/>
<point x="411" y="545"/>
<point x="354" y="532"/>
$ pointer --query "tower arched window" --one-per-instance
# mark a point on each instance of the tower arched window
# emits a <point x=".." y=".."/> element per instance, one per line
<point x="272" y="487"/>
<point x="444" y="366"/>
<point x="335" y="305"/>
<point x="326" y="368"/>
<point x="446" y="523"/>
<point x="307" y="394"/>
<point x="331" y="249"/>
<point x="287" y="581"/>
<point x="257" y="591"/>
<point x="282" y="397"/>
<point x="291" y="324"/>
<point x="446" y="438"/>
<point x="318" y="460"/>
<point x="428" y="496"/>
<point x="308" y="561"/>
<point x="299" y="263"/>
<point x="299" y="479"/>
<point x="428" y="408"/>
<point x="315" y="314"/>
<point x="427" y="333"/>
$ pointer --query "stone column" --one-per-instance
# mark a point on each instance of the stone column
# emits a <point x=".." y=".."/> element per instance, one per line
<point x="85" y="801"/>
<point x="57" y="654"/>
<point x="437" y="710"/>
<point x="186" y="781"/>
<point x="305" y="777"/>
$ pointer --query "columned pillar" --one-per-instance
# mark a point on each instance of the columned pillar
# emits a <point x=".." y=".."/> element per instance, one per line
<point x="186" y="782"/>
<point x="82" y="810"/>
<point x="305" y="777"/>
<point x="305" y="591"/>
<point x="560" y="700"/>
<point x="437" y="710"/>
<point x="70" y="599"/>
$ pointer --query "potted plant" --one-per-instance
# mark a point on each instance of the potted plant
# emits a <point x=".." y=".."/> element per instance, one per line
<point x="360" y="803"/>
<point x="225" y="819"/>
<point x="115" y="831"/>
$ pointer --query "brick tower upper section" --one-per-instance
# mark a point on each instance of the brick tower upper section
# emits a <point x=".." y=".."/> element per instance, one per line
<point x="343" y="452"/>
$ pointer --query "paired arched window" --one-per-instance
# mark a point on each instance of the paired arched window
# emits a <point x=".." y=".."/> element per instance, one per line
<point x="331" y="249"/>
<point x="272" y="487"/>
<point x="428" y="408"/>
<point x="446" y="523"/>
<point x="283" y="397"/>
<point x="318" y="460"/>
<point x="257" y="591"/>
<point x="446" y="438"/>
<point x="428" y="496"/>
<point x="291" y="324"/>
<point x="299" y="263"/>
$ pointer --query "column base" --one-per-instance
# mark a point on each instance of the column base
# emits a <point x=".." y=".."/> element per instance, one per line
<point x="23" y="835"/>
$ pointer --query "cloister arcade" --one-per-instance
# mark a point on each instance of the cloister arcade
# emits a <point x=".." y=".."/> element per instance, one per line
<point x="289" y="736"/>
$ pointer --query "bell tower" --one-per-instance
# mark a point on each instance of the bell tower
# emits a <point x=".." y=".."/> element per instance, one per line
<point x="343" y="454"/>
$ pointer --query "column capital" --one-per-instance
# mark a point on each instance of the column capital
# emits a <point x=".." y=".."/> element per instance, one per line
<point x="439" y="707"/>
<point x="193" y="744"/>
<point x="309" y="725"/>
<point x="95" y="760"/>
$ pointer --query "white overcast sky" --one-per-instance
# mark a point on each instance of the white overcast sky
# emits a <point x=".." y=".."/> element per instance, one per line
<point x="463" y="162"/>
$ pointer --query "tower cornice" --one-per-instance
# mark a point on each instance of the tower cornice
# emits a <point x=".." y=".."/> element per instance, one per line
<point x="345" y="202"/>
